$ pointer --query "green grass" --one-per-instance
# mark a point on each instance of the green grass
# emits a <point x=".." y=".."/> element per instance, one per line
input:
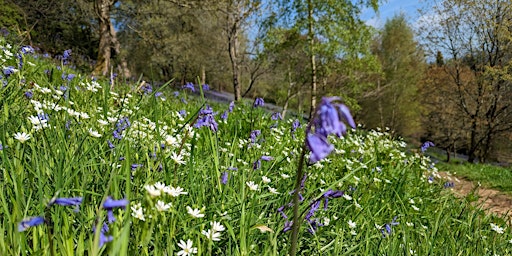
<point x="396" y="208"/>
<point x="490" y="176"/>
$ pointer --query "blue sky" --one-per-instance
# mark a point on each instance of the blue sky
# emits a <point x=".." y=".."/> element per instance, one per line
<point x="391" y="7"/>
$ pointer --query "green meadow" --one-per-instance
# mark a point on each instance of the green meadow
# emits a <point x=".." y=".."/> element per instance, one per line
<point x="105" y="167"/>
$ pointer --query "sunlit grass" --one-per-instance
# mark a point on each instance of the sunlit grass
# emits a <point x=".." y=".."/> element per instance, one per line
<point x="137" y="144"/>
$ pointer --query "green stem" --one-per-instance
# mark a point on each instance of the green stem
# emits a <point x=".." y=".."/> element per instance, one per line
<point x="296" y="220"/>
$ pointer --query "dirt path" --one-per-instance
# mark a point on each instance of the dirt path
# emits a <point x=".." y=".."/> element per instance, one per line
<point x="494" y="201"/>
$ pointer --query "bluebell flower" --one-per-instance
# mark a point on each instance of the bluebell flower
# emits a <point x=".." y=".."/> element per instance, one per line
<point x="287" y="226"/>
<point x="224" y="178"/>
<point x="189" y="86"/>
<point x="314" y="207"/>
<point x="70" y="201"/>
<point x="63" y="88"/>
<point x="9" y="70"/>
<point x="117" y="135"/>
<point x="281" y="211"/>
<point x="29" y="94"/>
<point x="256" y="165"/>
<point x="426" y="145"/>
<point x="254" y="135"/>
<point x="258" y="102"/>
<point x="103" y="237"/>
<point x="224" y="115"/>
<point x="314" y="224"/>
<point x="66" y="55"/>
<point x="133" y="167"/>
<point x="110" y="144"/>
<point x="329" y="119"/>
<point x="232" y="168"/>
<point x="388" y="227"/>
<point x="330" y="194"/>
<point x="276" y="116"/>
<point x="231" y="106"/>
<point x="449" y="184"/>
<point x="206" y="87"/>
<point x="27" y="49"/>
<point x="206" y="118"/>
<point x="1" y="147"/>
<point x="182" y="113"/>
<point x="319" y="147"/>
<point x="147" y="88"/>
<point x="267" y="158"/>
<point x="66" y="201"/>
<point x="110" y="204"/>
<point x="158" y="94"/>
<point x="176" y="94"/>
<point x="31" y="222"/>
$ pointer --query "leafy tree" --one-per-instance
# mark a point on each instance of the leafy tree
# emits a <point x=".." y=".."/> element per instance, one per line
<point x="334" y="31"/>
<point x="396" y="94"/>
<point x="55" y="26"/>
<point x="477" y="37"/>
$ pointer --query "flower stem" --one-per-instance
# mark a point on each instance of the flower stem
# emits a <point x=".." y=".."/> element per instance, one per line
<point x="296" y="219"/>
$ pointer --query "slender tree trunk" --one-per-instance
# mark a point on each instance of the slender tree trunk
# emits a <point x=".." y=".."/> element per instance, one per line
<point x="102" y="8"/>
<point x="288" y="93"/>
<point x="233" y="54"/>
<point x="203" y="75"/>
<point x="313" y="62"/>
<point x="123" y="65"/>
<point x="379" y="100"/>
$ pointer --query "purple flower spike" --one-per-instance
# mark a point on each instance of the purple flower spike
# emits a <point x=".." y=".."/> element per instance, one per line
<point x="258" y="102"/>
<point x="189" y="86"/>
<point x="231" y="106"/>
<point x="267" y="158"/>
<point x="71" y="201"/>
<point x="319" y="147"/>
<point x="276" y="116"/>
<point x="426" y="145"/>
<point x="32" y="222"/>
<point x="287" y="226"/>
<point x="224" y="178"/>
<point x="110" y="203"/>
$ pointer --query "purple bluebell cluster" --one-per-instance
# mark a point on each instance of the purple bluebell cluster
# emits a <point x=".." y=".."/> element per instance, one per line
<point x="9" y="70"/>
<point x="189" y="86"/>
<point x="387" y="229"/>
<point x="258" y="102"/>
<point x="224" y="178"/>
<point x="206" y="87"/>
<point x="449" y="184"/>
<point x="276" y="116"/>
<point x="426" y="145"/>
<point x="206" y="118"/>
<point x="330" y="119"/>
<point x="27" y="49"/>
<point x="254" y="135"/>
<point x="147" y="88"/>
<point x="28" y="94"/>
<point x="68" y="77"/>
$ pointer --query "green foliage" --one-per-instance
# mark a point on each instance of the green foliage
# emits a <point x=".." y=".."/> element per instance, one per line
<point x="396" y="93"/>
<point x="70" y="156"/>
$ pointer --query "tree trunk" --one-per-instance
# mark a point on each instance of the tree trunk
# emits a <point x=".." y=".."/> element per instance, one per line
<point x="123" y="65"/>
<point x="102" y="8"/>
<point x="313" y="62"/>
<point x="288" y="94"/>
<point x="233" y="54"/>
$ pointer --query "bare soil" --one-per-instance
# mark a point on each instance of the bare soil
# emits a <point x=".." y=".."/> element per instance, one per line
<point x="491" y="200"/>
